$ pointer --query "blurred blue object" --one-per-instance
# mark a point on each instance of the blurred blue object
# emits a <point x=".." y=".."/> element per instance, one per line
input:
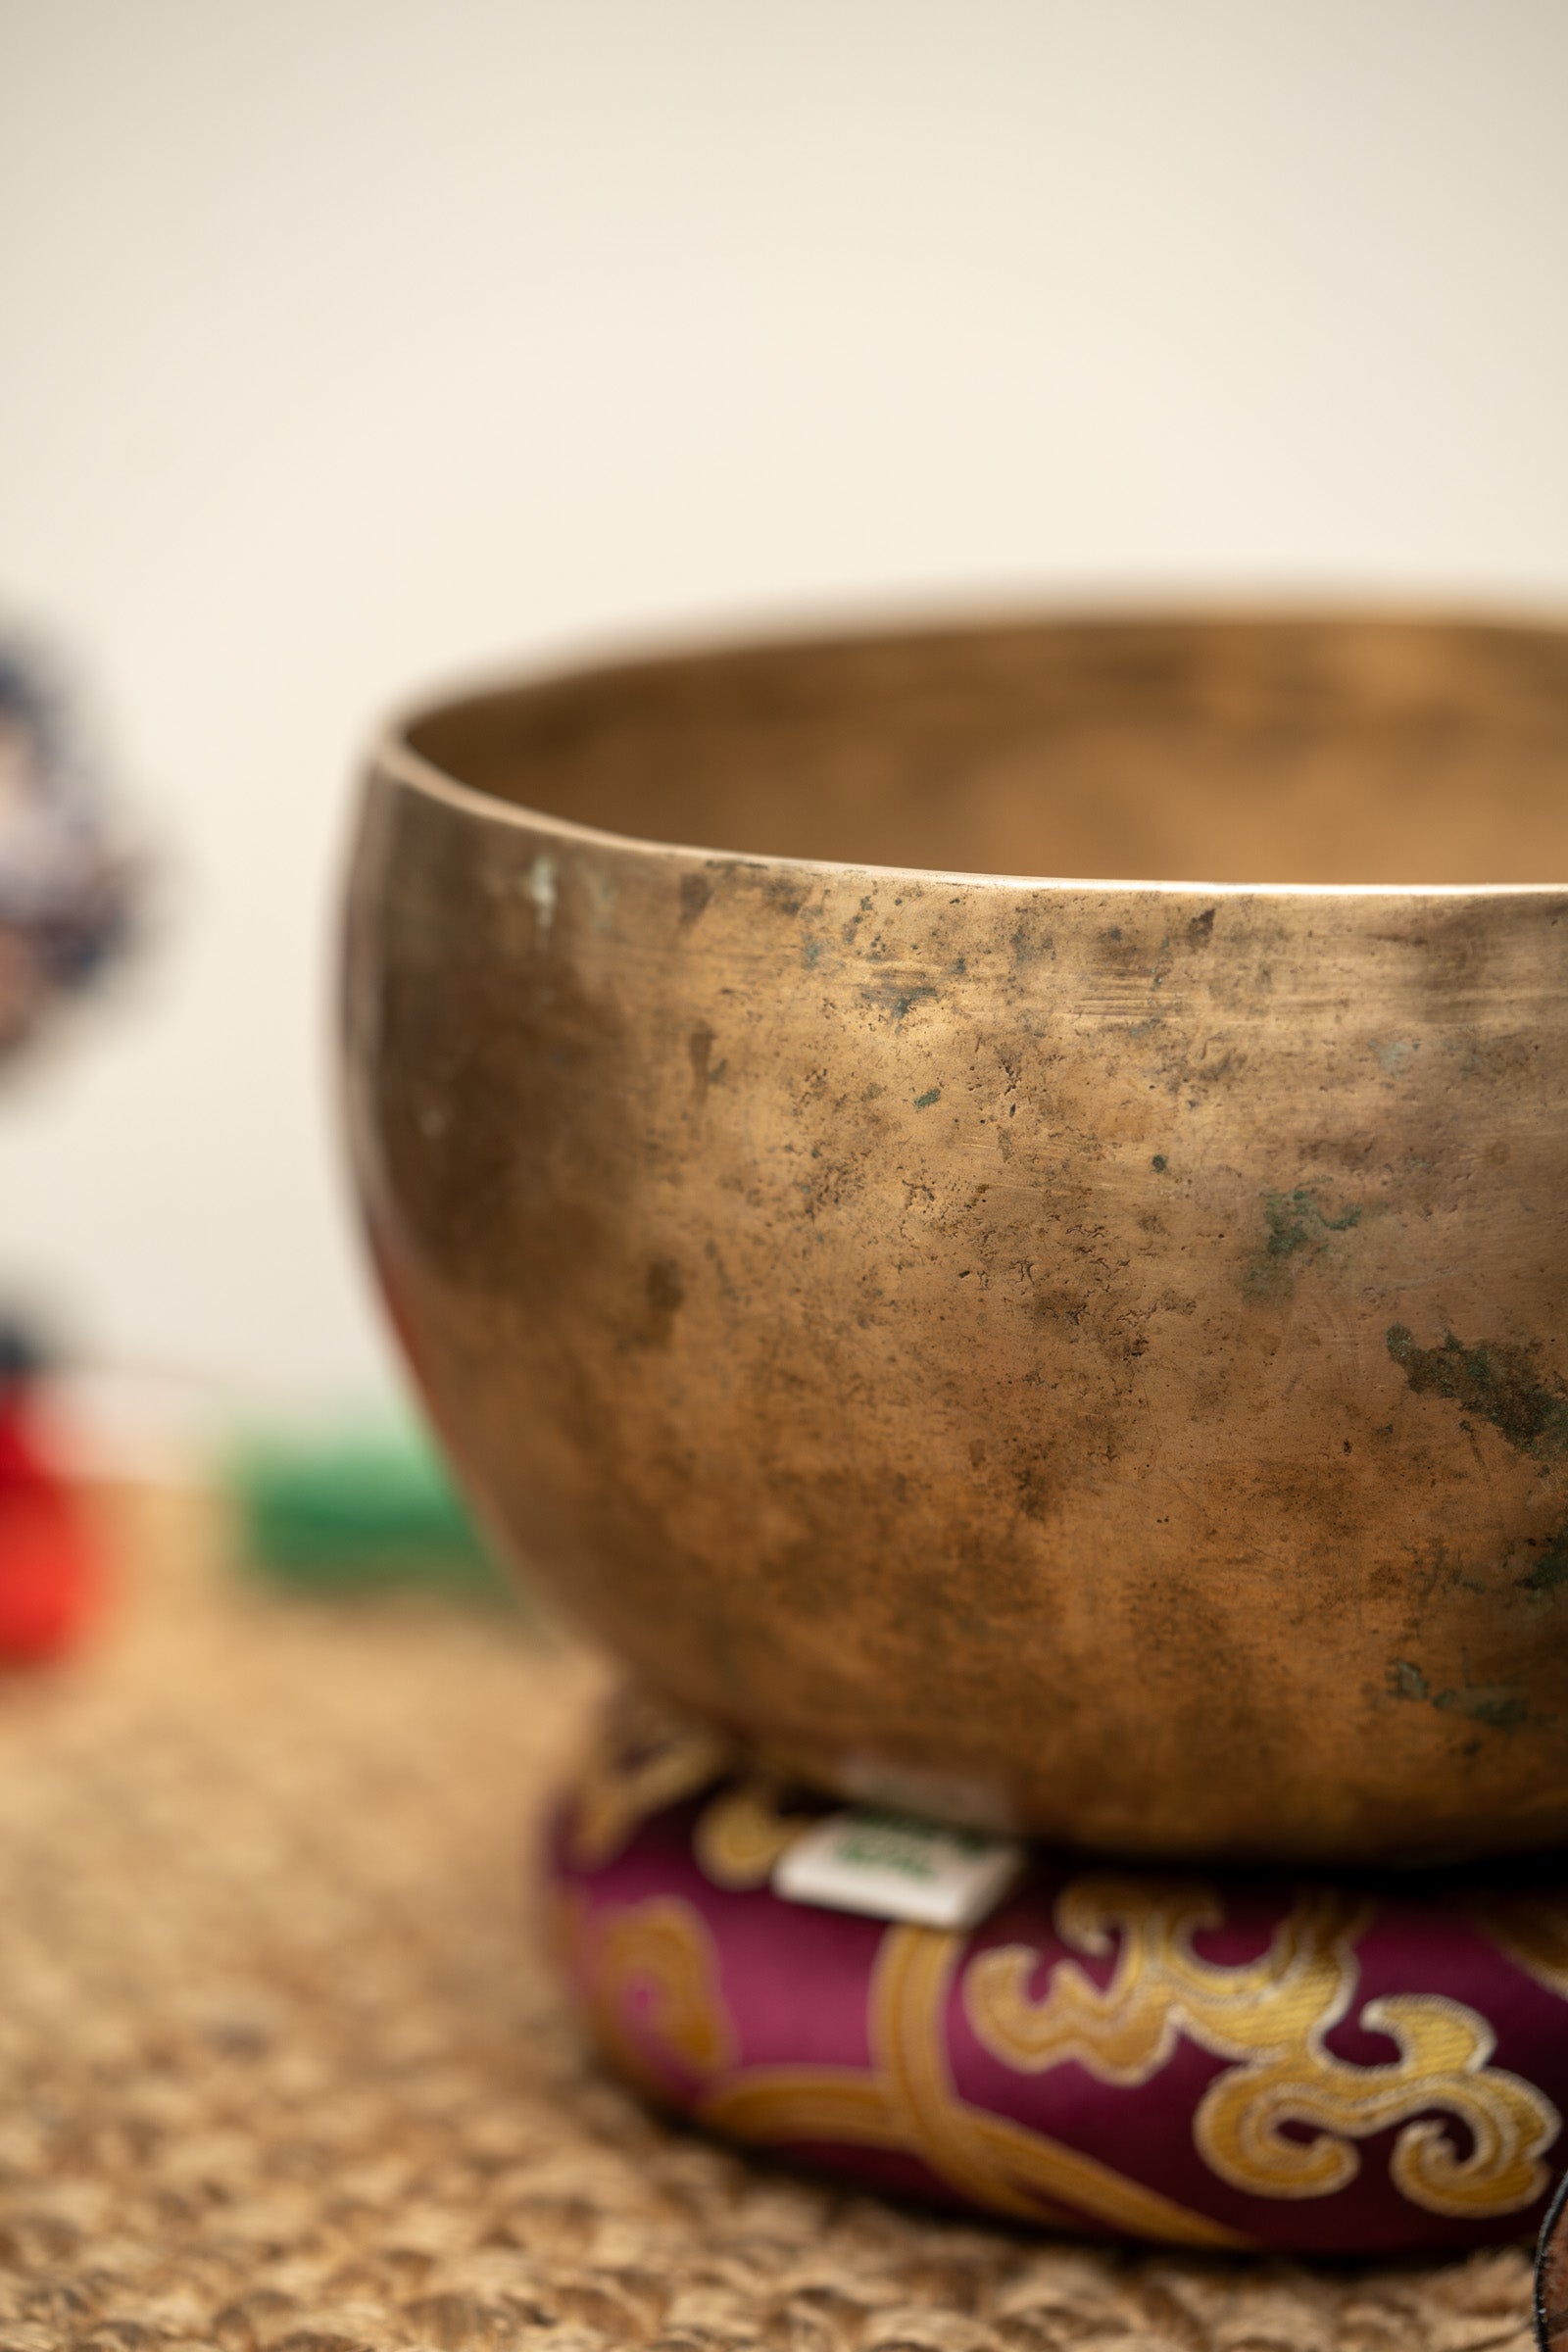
<point x="67" y="883"/>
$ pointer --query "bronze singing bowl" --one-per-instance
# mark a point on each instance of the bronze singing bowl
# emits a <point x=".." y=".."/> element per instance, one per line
<point x="1083" y="1352"/>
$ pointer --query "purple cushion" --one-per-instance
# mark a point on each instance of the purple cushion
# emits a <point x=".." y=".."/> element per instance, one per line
<point x="1226" y="2060"/>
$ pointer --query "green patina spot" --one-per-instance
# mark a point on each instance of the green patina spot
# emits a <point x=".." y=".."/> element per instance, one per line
<point x="898" y="998"/>
<point x="1498" y="1383"/>
<point x="1159" y="1163"/>
<point x="1502" y="1709"/>
<point x="1550" y="1571"/>
<point x="933" y="1094"/>
<point x="1294" y="1223"/>
<point x="1492" y="1704"/>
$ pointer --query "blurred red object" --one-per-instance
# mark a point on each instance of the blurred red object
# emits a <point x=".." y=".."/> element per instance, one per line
<point x="48" y="1557"/>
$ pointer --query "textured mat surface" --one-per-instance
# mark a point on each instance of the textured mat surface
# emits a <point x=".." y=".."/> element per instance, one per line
<point x="284" y="2063"/>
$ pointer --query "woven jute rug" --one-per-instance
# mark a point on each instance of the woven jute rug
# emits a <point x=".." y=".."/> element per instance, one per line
<point x="284" y="2064"/>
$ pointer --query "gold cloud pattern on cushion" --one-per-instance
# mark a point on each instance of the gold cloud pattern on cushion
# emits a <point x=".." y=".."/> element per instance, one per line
<point x="1270" y="2014"/>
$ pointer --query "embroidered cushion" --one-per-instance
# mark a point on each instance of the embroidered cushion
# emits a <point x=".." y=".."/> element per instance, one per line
<point x="1224" y="2060"/>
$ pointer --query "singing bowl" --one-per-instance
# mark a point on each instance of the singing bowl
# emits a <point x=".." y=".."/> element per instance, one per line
<point x="1086" y="1353"/>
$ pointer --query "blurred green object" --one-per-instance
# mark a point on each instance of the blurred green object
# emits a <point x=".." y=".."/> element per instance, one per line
<point x="355" y="1513"/>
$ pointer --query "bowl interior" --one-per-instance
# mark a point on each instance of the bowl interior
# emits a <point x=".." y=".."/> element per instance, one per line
<point x="1258" y="751"/>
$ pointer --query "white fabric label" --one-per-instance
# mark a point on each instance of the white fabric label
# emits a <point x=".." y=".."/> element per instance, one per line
<point x="892" y="1867"/>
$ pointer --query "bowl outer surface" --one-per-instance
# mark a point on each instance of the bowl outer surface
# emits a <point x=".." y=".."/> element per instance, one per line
<point x="1083" y="1356"/>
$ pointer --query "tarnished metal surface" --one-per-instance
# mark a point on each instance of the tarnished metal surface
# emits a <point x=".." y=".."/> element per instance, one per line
<point x="1084" y="1354"/>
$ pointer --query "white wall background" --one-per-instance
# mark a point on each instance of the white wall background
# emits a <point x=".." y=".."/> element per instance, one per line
<point x="344" y="342"/>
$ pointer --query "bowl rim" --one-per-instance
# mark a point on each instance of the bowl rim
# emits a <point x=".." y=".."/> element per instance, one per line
<point x="391" y="755"/>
